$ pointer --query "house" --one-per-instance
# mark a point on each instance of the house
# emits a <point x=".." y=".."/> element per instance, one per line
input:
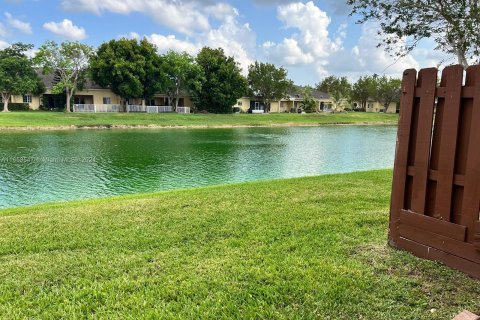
<point x="91" y="95"/>
<point x="375" y="106"/>
<point x="291" y="103"/>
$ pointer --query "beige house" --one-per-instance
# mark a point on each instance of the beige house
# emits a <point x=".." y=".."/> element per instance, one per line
<point x="291" y="103"/>
<point x="34" y="102"/>
<point x="375" y="106"/>
<point x="91" y="94"/>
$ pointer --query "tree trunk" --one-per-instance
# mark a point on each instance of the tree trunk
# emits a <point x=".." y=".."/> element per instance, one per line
<point x="364" y="106"/>
<point x="176" y="99"/>
<point x="5" y="106"/>
<point x="69" y="97"/>
<point x="462" y="59"/>
<point x="6" y="100"/>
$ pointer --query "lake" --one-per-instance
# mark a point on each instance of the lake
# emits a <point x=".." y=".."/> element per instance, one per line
<point x="43" y="166"/>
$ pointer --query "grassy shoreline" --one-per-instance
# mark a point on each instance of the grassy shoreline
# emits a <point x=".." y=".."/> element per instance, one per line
<point x="64" y="121"/>
<point x="299" y="248"/>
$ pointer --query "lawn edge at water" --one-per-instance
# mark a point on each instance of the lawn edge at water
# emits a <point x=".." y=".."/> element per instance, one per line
<point x="62" y="121"/>
<point x="149" y="195"/>
<point x="104" y="127"/>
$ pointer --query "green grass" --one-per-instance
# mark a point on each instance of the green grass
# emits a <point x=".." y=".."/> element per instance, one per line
<point x="56" y="119"/>
<point x="285" y="249"/>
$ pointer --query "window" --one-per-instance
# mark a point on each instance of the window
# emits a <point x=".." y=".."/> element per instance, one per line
<point x="27" y="99"/>
<point x="107" y="100"/>
<point x="79" y="100"/>
<point x="257" y="106"/>
<point x="239" y="103"/>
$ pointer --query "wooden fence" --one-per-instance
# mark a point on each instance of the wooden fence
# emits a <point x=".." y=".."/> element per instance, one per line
<point x="436" y="185"/>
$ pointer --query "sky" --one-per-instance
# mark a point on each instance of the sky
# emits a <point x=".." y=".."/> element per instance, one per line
<point x="310" y="39"/>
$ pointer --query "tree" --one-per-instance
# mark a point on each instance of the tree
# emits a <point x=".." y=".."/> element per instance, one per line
<point x="338" y="89"/>
<point x="17" y="75"/>
<point x="69" y="62"/>
<point x="131" y="69"/>
<point x="308" y="104"/>
<point x="220" y="83"/>
<point x="388" y="91"/>
<point x="363" y="90"/>
<point x="268" y="82"/>
<point x="453" y="24"/>
<point x="181" y="74"/>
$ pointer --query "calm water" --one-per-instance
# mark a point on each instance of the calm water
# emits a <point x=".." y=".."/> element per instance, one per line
<point x="38" y="167"/>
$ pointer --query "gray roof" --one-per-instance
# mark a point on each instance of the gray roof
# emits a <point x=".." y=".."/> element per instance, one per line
<point x="49" y="80"/>
<point x="297" y="93"/>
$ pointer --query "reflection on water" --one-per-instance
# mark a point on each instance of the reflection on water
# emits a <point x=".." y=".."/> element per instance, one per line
<point x="38" y="167"/>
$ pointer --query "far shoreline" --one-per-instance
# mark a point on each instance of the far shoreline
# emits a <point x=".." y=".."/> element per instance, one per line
<point x="158" y="127"/>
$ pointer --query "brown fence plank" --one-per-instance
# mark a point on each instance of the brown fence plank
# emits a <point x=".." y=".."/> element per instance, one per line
<point x="427" y="252"/>
<point x="457" y="248"/>
<point x="476" y="241"/>
<point x="427" y="80"/>
<point x="446" y="129"/>
<point x="470" y="209"/>
<point x="433" y="225"/>
<point x="403" y="142"/>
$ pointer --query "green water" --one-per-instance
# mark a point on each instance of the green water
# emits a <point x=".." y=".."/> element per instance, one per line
<point x="38" y="167"/>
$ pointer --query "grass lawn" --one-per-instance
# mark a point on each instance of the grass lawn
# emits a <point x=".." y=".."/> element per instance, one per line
<point x="285" y="249"/>
<point x="58" y="119"/>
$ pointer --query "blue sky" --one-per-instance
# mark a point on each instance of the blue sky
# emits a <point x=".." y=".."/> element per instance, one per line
<point x="311" y="39"/>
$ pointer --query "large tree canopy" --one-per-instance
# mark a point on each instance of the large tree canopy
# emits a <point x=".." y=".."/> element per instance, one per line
<point x="131" y="69"/>
<point x="364" y="89"/>
<point x="221" y="82"/>
<point x="453" y="24"/>
<point x="337" y="87"/>
<point x="17" y="75"/>
<point x="182" y="73"/>
<point x="268" y="82"/>
<point x="69" y="62"/>
<point x="387" y="90"/>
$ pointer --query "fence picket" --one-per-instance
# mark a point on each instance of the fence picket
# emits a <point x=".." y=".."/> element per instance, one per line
<point x="403" y="141"/>
<point x="446" y="129"/>
<point x="427" y="80"/>
<point x="471" y="198"/>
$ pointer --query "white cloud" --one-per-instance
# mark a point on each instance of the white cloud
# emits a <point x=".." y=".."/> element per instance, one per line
<point x="236" y="39"/>
<point x="311" y="44"/>
<point x="288" y="52"/>
<point x="4" y="44"/>
<point x="182" y="16"/>
<point x="18" y="24"/>
<point x="365" y="58"/>
<point x="369" y="57"/>
<point x="170" y="42"/>
<point x="66" y="29"/>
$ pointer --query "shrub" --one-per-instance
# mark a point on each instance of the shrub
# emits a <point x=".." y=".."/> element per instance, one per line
<point x="16" y="106"/>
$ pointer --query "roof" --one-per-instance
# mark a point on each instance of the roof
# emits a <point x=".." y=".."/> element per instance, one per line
<point x="49" y="80"/>
<point x="297" y="93"/>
